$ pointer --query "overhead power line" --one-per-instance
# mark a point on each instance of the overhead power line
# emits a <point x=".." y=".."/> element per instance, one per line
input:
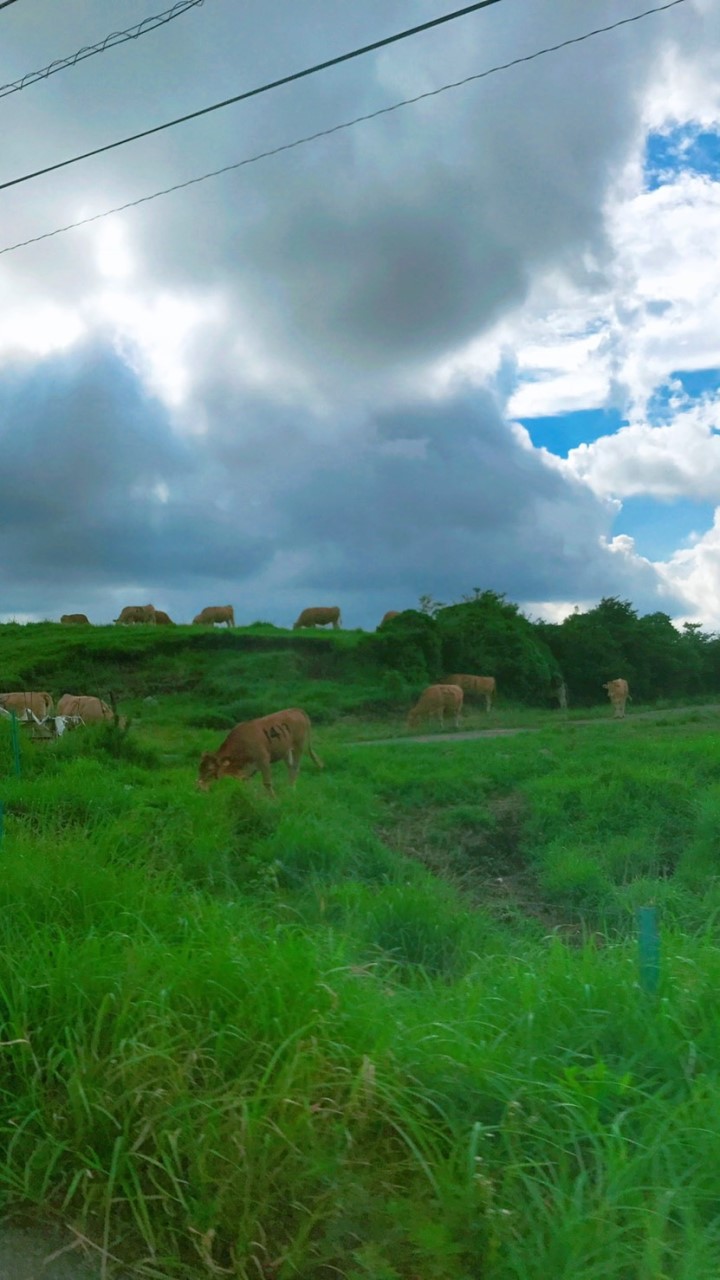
<point x="337" y="128"/>
<point x="4" y="3"/>
<point x="253" y="93"/>
<point x="88" y="51"/>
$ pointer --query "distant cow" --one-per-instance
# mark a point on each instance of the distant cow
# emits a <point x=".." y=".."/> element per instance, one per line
<point x="255" y="745"/>
<point x="136" y="613"/>
<point x="75" y="620"/>
<point x="162" y="619"/>
<point x="319" y="617"/>
<point x="90" y="709"/>
<point x="479" y="686"/>
<point x="618" y="693"/>
<point x="391" y="613"/>
<point x="435" y="701"/>
<point x="215" y="613"/>
<point x="39" y="703"/>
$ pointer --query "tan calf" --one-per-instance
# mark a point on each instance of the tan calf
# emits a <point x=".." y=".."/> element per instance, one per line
<point x="435" y="701"/>
<point x="478" y="686"/>
<point x="215" y="613"/>
<point x="256" y="745"/>
<point x="618" y="693"/>
<point x="90" y="709"/>
<point x="319" y="617"/>
<point x="39" y="703"/>
<point x="75" y="620"/>
<point x="162" y="619"/>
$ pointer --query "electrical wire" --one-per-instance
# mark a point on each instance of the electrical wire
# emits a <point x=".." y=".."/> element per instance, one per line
<point x="4" y="3"/>
<point x="88" y="51"/>
<point x="347" y="124"/>
<point x="253" y="93"/>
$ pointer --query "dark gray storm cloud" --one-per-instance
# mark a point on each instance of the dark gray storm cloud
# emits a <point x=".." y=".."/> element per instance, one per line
<point x="342" y="272"/>
<point x="98" y="496"/>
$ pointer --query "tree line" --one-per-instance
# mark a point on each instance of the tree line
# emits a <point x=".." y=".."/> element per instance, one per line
<point x="486" y="634"/>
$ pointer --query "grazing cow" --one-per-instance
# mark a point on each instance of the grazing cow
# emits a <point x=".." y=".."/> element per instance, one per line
<point x="319" y="617"/>
<point x="133" y="613"/>
<point x="39" y="703"/>
<point x="435" y="701"/>
<point x="255" y="745"/>
<point x="479" y="686"/>
<point x="391" y="613"/>
<point x="618" y="693"/>
<point x="215" y="613"/>
<point x="75" y="620"/>
<point x="162" y="619"/>
<point x="89" y="709"/>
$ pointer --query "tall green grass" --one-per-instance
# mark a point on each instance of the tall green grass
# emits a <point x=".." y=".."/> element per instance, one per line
<point x="388" y="1025"/>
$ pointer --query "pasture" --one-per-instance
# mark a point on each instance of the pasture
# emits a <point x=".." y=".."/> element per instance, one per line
<point x="387" y="1026"/>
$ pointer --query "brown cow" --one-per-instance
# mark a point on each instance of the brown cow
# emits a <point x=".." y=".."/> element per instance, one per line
<point x="391" y="613"/>
<point x="618" y="693"/>
<point x="133" y="613"/>
<point x="256" y="744"/>
<point x="480" y="686"/>
<point x="162" y="619"/>
<point x="215" y="613"/>
<point x="319" y="617"/>
<point x="39" y="703"/>
<point x="75" y="620"/>
<point x="435" y="701"/>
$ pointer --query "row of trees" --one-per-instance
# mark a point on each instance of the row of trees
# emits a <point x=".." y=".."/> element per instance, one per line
<point x="486" y="634"/>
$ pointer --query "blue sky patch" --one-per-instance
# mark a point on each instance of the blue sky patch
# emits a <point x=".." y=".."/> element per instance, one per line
<point x="565" y="431"/>
<point x="684" y="149"/>
<point x="660" y="528"/>
<point x="694" y="382"/>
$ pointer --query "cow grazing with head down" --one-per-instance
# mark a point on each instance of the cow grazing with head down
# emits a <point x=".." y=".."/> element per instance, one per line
<point x="257" y="744"/>
<point x="134" y="613"/>
<point x="319" y="617"/>
<point x="436" y="700"/>
<point x="215" y="613"/>
<point x="91" y="710"/>
<point x="75" y="620"/>
<point x="39" y="703"/>
<point x="479" y="686"/>
<point x="162" y="619"/>
<point x="618" y="693"/>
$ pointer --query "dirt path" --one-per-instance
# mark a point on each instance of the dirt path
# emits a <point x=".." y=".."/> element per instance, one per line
<point x="35" y="1254"/>
<point x="470" y="734"/>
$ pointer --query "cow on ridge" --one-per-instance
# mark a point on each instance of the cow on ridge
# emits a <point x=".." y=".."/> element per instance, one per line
<point x="135" y="613"/>
<point x="319" y="617"/>
<point x="162" y="619"/>
<point x="618" y="693"/>
<point x="435" y="701"/>
<point x="387" y="617"/>
<point x="479" y="686"/>
<point x="255" y="745"/>
<point x="215" y="613"/>
<point x="75" y="620"/>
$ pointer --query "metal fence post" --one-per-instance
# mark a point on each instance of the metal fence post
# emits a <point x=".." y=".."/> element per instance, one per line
<point x="649" y="938"/>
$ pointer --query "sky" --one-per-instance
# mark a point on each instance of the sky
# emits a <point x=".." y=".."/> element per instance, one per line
<point x="474" y="342"/>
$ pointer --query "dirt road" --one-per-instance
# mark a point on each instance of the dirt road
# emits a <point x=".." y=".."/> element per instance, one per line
<point x="468" y="735"/>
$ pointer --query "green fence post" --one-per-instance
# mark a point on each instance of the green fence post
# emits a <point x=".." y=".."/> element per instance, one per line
<point x="649" y="937"/>
<point x="14" y="736"/>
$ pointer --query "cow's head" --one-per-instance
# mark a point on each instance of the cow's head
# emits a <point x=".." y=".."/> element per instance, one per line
<point x="213" y="767"/>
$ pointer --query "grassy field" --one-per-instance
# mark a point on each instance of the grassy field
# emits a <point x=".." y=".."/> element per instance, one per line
<point x="386" y="1027"/>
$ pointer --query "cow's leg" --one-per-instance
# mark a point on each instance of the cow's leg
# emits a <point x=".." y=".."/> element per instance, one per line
<point x="457" y="718"/>
<point x="292" y="760"/>
<point x="441" y="718"/>
<point x="264" y="766"/>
